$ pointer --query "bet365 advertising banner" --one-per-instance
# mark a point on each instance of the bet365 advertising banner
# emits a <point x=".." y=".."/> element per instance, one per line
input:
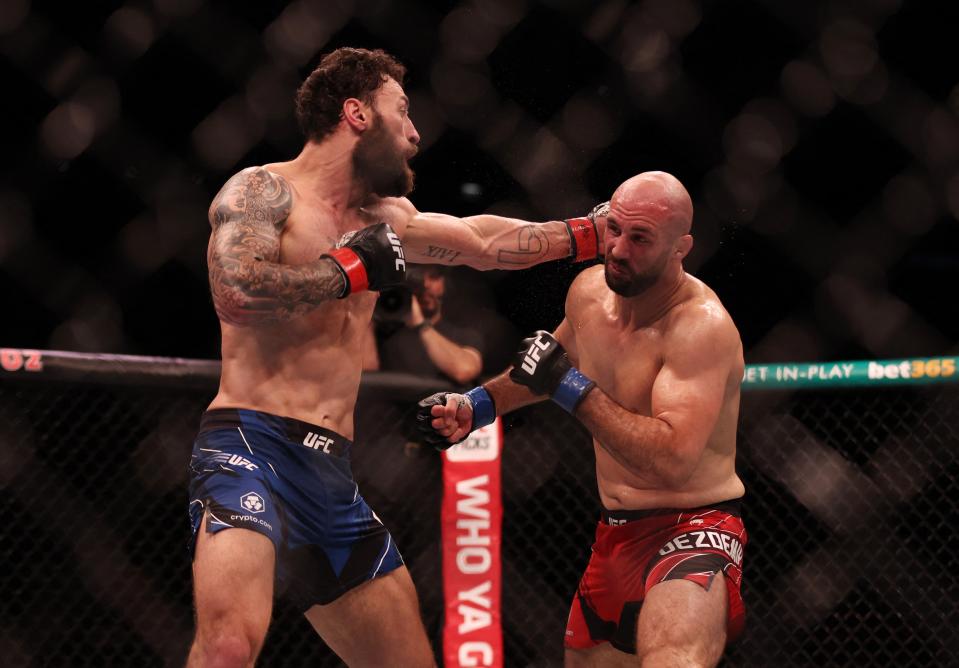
<point x="854" y="373"/>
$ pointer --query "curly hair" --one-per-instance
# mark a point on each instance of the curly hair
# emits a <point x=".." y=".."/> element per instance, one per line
<point x="341" y="74"/>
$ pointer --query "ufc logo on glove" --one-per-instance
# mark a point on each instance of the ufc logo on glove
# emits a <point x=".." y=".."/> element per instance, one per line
<point x="398" y="249"/>
<point x="542" y="365"/>
<point x="532" y="355"/>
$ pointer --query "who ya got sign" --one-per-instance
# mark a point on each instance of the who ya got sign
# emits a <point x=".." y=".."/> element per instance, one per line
<point x="471" y="532"/>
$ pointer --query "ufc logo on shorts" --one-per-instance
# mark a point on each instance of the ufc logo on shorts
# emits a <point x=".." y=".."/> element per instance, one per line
<point x="318" y="442"/>
<point x="237" y="460"/>
<point x="532" y="355"/>
<point x="398" y="249"/>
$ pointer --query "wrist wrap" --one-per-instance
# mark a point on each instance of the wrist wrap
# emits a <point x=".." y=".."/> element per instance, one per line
<point x="572" y="389"/>
<point x="484" y="409"/>
<point x="352" y="268"/>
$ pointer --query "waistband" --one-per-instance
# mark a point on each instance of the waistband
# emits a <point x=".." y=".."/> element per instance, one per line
<point x="618" y="517"/>
<point x="318" y="439"/>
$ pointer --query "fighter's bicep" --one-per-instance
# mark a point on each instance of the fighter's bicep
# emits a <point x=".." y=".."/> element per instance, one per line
<point x="688" y="393"/>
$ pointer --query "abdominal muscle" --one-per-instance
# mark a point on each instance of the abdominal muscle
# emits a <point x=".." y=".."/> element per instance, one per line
<point x="308" y="368"/>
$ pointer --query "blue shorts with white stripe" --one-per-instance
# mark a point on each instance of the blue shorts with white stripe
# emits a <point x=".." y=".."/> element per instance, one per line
<point x="290" y="481"/>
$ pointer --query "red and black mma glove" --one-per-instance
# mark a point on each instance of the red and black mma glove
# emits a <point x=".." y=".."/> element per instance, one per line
<point x="481" y="404"/>
<point x="583" y="234"/>
<point x="369" y="259"/>
<point x="543" y="366"/>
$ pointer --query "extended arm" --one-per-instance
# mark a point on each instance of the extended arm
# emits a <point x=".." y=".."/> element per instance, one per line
<point x="496" y="242"/>
<point x="446" y="418"/>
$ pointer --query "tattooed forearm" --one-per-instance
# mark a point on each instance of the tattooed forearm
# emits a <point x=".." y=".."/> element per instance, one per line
<point x="531" y="247"/>
<point x="247" y="293"/>
<point x="485" y="241"/>
<point x="442" y="254"/>
<point x="249" y="285"/>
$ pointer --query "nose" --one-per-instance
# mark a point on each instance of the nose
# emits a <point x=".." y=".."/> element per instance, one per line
<point x="614" y="248"/>
<point x="413" y="136"/>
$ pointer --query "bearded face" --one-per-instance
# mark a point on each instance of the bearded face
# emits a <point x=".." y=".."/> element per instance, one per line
<point x="380" y="162"/>
<point x="626" y="281"/>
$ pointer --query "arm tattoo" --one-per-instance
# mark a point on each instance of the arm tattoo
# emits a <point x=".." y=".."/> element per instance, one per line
<point x="440" y="253"/>
<point x="531" y="246"/>
<point x="248" y="283"/>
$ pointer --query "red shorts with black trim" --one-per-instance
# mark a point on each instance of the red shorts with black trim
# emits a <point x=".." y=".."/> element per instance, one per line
<point x="637" y="549"/>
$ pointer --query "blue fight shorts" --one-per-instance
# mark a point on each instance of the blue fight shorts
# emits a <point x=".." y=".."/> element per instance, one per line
<point x="290" y="481"/>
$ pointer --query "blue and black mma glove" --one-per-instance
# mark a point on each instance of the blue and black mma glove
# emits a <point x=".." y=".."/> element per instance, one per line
<point x="484" y="412"/>
<point x="543" y="366"/>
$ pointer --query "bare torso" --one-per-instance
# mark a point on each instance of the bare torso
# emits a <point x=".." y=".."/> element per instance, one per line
<point x="308" y="367"/>
<point x="625" y="362"/>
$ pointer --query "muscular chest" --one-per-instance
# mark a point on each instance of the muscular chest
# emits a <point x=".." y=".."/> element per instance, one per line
<point x="311" y="231"/>
<point x="623" y="363"/>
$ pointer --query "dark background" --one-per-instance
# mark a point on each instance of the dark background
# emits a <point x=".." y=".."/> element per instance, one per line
<point x="820" y="143"/>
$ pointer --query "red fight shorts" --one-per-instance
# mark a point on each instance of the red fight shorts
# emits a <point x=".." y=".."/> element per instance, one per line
<point x="637" y="549"/>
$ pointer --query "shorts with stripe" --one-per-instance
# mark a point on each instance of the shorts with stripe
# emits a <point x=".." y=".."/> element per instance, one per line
<point x="290" y="481"/>
<point x="637" y="549"/>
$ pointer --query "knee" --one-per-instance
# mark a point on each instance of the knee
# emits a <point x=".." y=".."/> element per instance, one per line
<point x="224" y="649"/>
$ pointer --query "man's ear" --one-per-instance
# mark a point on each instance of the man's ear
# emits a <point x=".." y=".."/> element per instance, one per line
<point x="356" y="114"/>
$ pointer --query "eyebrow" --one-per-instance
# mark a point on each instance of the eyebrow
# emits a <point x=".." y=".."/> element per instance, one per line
<point x="647" y="230"/>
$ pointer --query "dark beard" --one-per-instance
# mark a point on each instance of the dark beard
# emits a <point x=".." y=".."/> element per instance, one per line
<point x="380" y="165"/>
<point x="636" y="284"/>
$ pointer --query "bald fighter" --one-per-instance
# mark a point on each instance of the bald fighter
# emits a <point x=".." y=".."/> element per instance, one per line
<point x="663" y="581"/>
<point x="296" y="253"/>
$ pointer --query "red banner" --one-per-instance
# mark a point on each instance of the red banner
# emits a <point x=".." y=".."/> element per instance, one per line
<point x="472" y="570"/>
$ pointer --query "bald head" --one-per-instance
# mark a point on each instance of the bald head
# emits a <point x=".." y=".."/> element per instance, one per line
<point x="659" y="198"/>
<point x="647" y="233"/>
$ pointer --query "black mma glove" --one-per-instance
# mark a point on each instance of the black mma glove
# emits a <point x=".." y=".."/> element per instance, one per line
<point x="543" y="366"/>
<point x="481" y="405"/>
<point x="583" y="234"/>
<point x="369" y="259"/>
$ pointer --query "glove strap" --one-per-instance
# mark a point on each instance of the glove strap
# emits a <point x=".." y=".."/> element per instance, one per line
<point x="354" y="271"/>
<point x="583" y="239"/>
<point x="572" y="389"/>
<point x="484" y="409"/>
